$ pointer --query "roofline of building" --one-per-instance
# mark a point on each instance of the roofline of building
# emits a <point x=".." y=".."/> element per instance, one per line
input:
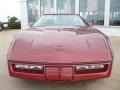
<point x="62" y="14"/>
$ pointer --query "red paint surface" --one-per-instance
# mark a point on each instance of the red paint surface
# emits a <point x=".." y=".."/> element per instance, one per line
<point x="60" y="45"/>
<point x="52" y="73"/>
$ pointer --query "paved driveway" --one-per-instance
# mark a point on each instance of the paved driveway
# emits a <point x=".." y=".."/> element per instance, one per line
<point x="10" y="83"/>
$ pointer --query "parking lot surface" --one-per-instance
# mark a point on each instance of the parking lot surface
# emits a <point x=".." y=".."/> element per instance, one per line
<point x="10" y="83"/>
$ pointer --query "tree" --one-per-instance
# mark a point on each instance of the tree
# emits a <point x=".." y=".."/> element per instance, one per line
<point x="14" y="23"/>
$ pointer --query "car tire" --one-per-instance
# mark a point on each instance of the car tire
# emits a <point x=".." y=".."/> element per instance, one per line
<point x="0" y="28"/>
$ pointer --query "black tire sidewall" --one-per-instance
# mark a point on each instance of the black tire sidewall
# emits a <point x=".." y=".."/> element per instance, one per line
<point x="0" y="28"/>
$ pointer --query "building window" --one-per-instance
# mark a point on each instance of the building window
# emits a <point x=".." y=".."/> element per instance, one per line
<point x="33" y="10"/>
<point x="93" y="11"/>
<point x="47" y="7"/>
<point x="66" y="6"/>
<point x="115" y="13"/>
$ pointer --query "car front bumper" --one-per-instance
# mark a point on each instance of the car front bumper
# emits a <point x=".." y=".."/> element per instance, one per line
<point x="60" y="73"/>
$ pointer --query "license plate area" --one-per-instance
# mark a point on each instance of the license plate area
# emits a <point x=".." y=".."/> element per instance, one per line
<point x="66" y="73"/>
<point x="52" y="73"/>
<point x="59" y="73"/>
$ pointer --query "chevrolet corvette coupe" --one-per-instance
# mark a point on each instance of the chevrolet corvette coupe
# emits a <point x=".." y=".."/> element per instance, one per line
<point x="60" y="47"/>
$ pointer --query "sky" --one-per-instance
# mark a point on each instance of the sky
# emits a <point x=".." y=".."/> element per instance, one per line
<point x="9" y="8"/>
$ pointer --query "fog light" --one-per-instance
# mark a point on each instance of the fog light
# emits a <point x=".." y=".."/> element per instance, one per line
<point x="89" y="67"/>
<point x="29" y="67"/>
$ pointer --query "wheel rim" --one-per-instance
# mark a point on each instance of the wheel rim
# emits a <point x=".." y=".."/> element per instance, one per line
<point x="0" y="28"/>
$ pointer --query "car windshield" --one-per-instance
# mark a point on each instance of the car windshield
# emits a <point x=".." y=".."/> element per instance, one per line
<point x="60" y="20"/>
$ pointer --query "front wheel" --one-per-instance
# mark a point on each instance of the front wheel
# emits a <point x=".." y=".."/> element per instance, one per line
<point x="0" y="28"/>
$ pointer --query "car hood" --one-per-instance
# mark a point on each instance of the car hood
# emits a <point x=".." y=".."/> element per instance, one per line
<point x="60" y="45"/>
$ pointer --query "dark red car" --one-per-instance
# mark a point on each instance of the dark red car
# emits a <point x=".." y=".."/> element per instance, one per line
<point x="60" y="48"/>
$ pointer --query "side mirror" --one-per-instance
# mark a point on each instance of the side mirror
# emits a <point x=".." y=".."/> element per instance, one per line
<point x="91" y="24"/>
<point x="30" y="24"/>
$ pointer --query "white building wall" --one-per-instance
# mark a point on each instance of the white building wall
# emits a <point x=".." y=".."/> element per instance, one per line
<point x="24" y="14"/>
<point x="77" y="10"/>
<point x="55" y="6"/>
<point x="107" y="13"/>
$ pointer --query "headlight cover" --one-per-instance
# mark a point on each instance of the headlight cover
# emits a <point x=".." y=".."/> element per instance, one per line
<point x="93" y="68"/>
<point x="89" y="67"/>
<point x="29" y="67"/>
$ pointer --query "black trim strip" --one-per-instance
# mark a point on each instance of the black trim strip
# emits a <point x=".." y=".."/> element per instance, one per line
<point x="46" y="63"/>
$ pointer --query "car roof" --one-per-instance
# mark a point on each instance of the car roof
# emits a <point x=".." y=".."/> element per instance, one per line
<point x="62" y="14"/>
